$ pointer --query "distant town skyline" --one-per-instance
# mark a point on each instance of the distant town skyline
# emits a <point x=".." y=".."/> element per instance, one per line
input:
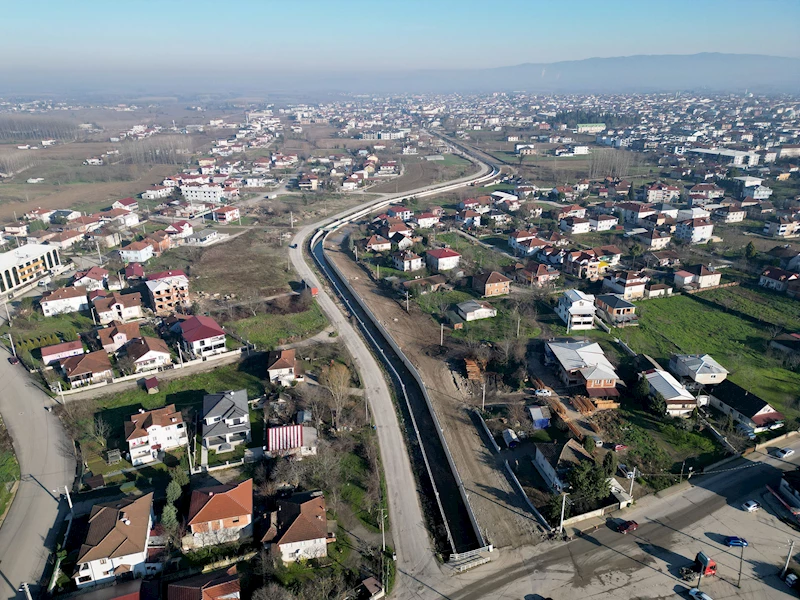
<point x="354" y="35"/>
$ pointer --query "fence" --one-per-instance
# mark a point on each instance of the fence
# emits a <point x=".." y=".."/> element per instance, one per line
<point x="521" y="490"/>
<point x="486" y="429"/>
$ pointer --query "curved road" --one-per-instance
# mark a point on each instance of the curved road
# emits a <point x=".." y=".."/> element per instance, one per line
<point x="46" y="464"/>
<point x="417" y="568"/>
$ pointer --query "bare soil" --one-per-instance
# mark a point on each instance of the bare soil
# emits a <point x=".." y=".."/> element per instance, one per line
<point x="500" y="511"/>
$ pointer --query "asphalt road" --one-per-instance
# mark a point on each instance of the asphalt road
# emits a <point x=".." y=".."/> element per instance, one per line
<point x="416" y="565"/>
<point x="46" y="465"/>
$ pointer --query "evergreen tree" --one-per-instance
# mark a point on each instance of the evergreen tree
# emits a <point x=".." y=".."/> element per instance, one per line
<point x="174" y="491"/>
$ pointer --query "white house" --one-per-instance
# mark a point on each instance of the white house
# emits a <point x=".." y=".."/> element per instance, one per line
<point x="179" y="229"/>
<point x="64" y="300"/>
<point x="299" y="528"/>
<point x="407" y="261"/>
<point x="116" y="542"/>
<point x="138" y="252"/>
<point x="629" y="284"/>
<point x="148" y="353"/>
<point x="577" y="310"/>
<point x="202" y="192"/>
<point x="53" y="354"/>
<point x="700" y="368"/>
<point x="695" y="231"/>
<point x="426" y="220"/>
<point x="131" y="204"/>
<point x="94" y="279"/>
<point x="603" y="222"/>
<point x="202" y="336"/>
<point x="442" y="259"/>
<point x="575" y="225"/>
<point x="474" y="310"/>
<point x="680" y="403"/>
<point x="149" y="432"/>
<point x="282" y="367"/>
<point x="157" y="192"/>
<point x="118" y="307"/>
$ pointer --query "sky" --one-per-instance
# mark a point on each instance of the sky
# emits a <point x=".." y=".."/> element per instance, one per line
<point x="84" y="36"/>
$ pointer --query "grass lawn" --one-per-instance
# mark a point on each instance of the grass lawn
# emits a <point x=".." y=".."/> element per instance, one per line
<point x="472" y="252"/>
<point x="215" y="458"/>
<point x="9" y="473"/>
<point x="681" y="324"/>
<point x="759" y="303"/>
<point x="66" y="327"/>
<point x="269" y="330"/>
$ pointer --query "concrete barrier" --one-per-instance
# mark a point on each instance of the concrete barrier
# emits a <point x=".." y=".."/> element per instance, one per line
<point x="521" y="490"/>
<point x="486" y="429"/>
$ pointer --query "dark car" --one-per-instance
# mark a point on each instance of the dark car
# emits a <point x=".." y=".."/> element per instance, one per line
<point x="736" y="542"/>
<point x="13" y="360"/>
<point x="627" y="527"/>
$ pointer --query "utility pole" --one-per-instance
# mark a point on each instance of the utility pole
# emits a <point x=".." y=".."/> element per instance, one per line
<point x="355" y="250"/>
<point x="741" y="560"/>
<point x="383" y="552"/>
<point x="519" y="320"/>
<point x="180" y="354"/>
<point x="788" y="558"/>
<point x="8" y="316"/>
<point x="69" y="498"/>
<point x="291" y="219"/>
<point x="379" y="271"/>
<point x="13" y="349"/>
<point x="633" y="480"/>
<point x="563" y="508"/>
<point x="406" y="300"/>
<point x="441" y="335"/>
<point x="483" y="398"/>
<point x="683" y="464"/>
<point x="27" y="591"/>
<point x="99" y="256"/>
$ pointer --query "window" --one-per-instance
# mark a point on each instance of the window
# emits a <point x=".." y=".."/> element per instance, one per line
<point x="235" y="520"/>
<point x="84" y="579"/>
<point x="103" y="561"/>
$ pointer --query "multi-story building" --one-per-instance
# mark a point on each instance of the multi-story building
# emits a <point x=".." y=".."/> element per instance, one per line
<point x="118" y="307"/>
<point x="168" y="291"/>
<point x="442" y="259"/>
<point x="695" y="231"/>
<point x="149" y="432"/>
<point x="64" y="300"/>
<point x="577" y="310"/>
<point x="138" y="252"/>
<point x="24" y="265"/>
<point x="202" y="336"/>
<point x="148" y="353"/>
<point x="202" y="192"/>
<point x="629" y="284"/>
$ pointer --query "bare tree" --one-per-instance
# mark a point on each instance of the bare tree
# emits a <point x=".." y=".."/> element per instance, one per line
<point x="100" y="431"/>
<point x="336" y="379"/>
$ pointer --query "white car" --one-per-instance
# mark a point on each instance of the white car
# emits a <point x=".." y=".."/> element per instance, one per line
<point x="695" y="593"/>
<point x="751" y="506"/>
<point x="784" y="452"/>
<point x="543" y="392"/>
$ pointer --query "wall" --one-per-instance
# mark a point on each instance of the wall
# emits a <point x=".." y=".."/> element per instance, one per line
<point x="520" y="490"/>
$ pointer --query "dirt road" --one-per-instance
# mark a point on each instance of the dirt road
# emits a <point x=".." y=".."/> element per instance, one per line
<point x="501" y="513"/>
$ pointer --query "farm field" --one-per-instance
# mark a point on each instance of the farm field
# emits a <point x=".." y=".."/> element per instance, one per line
<point x="682" y="324"/>
<point x="758" y="303"/>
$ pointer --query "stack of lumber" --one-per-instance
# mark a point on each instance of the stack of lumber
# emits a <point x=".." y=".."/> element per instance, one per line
<point x="602" y="404"/>
<point x="560" y="409"/>
<point x="473" y="370"/>
<point x="583" y="404"/>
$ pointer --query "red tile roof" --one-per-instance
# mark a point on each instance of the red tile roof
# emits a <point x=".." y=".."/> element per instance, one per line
<point x="221" y="502"/>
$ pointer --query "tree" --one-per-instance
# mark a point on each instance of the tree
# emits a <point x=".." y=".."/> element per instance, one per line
<point x="750" y="251"/>
<point x="636" y="251"/>
<point x="728" y="426"/>
<point x="588" y="445"/>
<point x="588" y="482"/>
<point x="273" y="591"/>
<point x="657" y="404"/>
<point x="100" y="431"/>
<point x="126" y="364"/>
<point x="174" y="491"/>
<point x="169" y="519"/>
<point x="179" y="476"/>
<point x="610" y="463"/>
<point x="336" y="379"/>
<point x="641" y="390"/>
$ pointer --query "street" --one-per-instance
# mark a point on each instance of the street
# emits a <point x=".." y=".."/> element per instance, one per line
<point x="47" y="465"/>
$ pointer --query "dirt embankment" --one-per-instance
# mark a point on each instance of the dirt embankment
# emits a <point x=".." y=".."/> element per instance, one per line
<point x="500" y="511"/>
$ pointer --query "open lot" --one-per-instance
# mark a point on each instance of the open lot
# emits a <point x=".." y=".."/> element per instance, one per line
<point x="418" y="172"/>
<point x="688" y="325"/>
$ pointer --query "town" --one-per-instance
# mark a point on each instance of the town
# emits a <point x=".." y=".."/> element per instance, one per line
<point x="400" y="345"/>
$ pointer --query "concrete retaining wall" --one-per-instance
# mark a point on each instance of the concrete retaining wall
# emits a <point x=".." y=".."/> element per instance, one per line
<point x="489" y="435"/>
<point x="521" y="490"/>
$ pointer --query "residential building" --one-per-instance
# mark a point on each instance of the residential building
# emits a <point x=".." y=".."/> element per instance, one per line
<point x="130" y="204"/>
<point x="225" y="214"/>
<point x="474" y="310"/>
<point x="700" y="368"/>
<point x="782" y="227"/>
<point x="202" y="192"/>
<point x="118" y="307"/>
<point x="603" y="222"/>
<point x="491" y="284"/>
<point x="205" y="237"/>
<point x="555" y="461"/>
<point x="426" y="220"/>
<point x="583" y="363"/>
<point x="615" y="310"/>
<point x="168" y="291"/>
<point x="134" y="271"/>
<point x="378" y="243"/>
<point x="775" y="278"/>
<point x="577" y="310"/>
<point x="157" y="192"/>
<point x="747" y="409"/>
<point x="573" y="210"/>
<point x="104" y="238"/>
<point x="299" y="528"/>
<point x="116" y="335"/>
<point x="215" y="585"/>
<point x="730" y="214"/>
<point x="695" y="231"/>
<point x="65" y="239"/>
<point x="64" y="300"/>
<point x="537" y="274"/>
<point x="696" y="277"/>
<point x="116" y="542"/>
<point x="407" y="261"/>
<point x="154" y="431"/>
<point x="297" y="441"/>
<point x="57" y="352"/>
<point x="220" y="514"/>
<point x="93" y="279"/>
<point x="468" y="218"/>
<point x="585" y="265"/>
<point x="442" y="259"/>
<point x="282" y="367"/>
<point x="86" y="369"/>
<point x="661" y="192"/>
<point x="148" y="353"/>
<point x="680" y="403"/>
<point x="575" y="225"/>
<point x="629" y="284"/>
<point x="655" y="239"/>
<point x="667" y="258"/>
<point x="138" y="252"/>
<point x="633" y="212"/>
<point x="202" y="336"/>
<point x="180" y="229"/>
<point x="226" y="420"/>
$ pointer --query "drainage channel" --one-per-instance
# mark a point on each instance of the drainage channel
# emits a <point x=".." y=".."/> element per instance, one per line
<point x="438" y="483"/>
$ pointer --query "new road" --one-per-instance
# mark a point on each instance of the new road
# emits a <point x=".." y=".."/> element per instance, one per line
<point x="47" y="464"/>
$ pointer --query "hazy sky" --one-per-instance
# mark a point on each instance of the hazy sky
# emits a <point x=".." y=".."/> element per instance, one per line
<point x="266" y="35"/>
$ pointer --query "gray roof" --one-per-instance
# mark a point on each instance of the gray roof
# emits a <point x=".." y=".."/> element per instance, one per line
<point x="614" y="301"/>
<point x="226" y="405"/>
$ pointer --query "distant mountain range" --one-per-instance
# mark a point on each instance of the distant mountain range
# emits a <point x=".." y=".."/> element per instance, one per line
<point x="710" y="72"/>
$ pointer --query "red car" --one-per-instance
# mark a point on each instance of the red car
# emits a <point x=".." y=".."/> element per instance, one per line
<point x="13" y="360"/>
<point x="627" y="527"/>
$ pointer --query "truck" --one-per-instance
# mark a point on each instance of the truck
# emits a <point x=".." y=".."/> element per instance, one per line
<point x="314" y="291"/>
<point x="702" y="564"/>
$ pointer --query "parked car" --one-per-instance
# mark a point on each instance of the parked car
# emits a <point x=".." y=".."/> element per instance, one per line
<point x="627" y="527"/>
<point x="784" y="452"/>
<point x="751" y="506"/>
<point x="623" y="470"/>
<point x="695" y="593"/>
<point x="542" y="393"/>
<point x="13" y="360"/>
<point x="733" y="541"/>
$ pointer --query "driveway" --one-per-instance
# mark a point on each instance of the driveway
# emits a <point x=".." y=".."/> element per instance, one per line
<point x="47" y="465"/>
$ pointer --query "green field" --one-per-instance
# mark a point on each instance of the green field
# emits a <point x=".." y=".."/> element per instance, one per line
<point x="9" y="471"/>
<point x="481" y="257"/>
<point x="765" y="305"/>
<point x="269" y="330"/>
<point x="681" y="324"/>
